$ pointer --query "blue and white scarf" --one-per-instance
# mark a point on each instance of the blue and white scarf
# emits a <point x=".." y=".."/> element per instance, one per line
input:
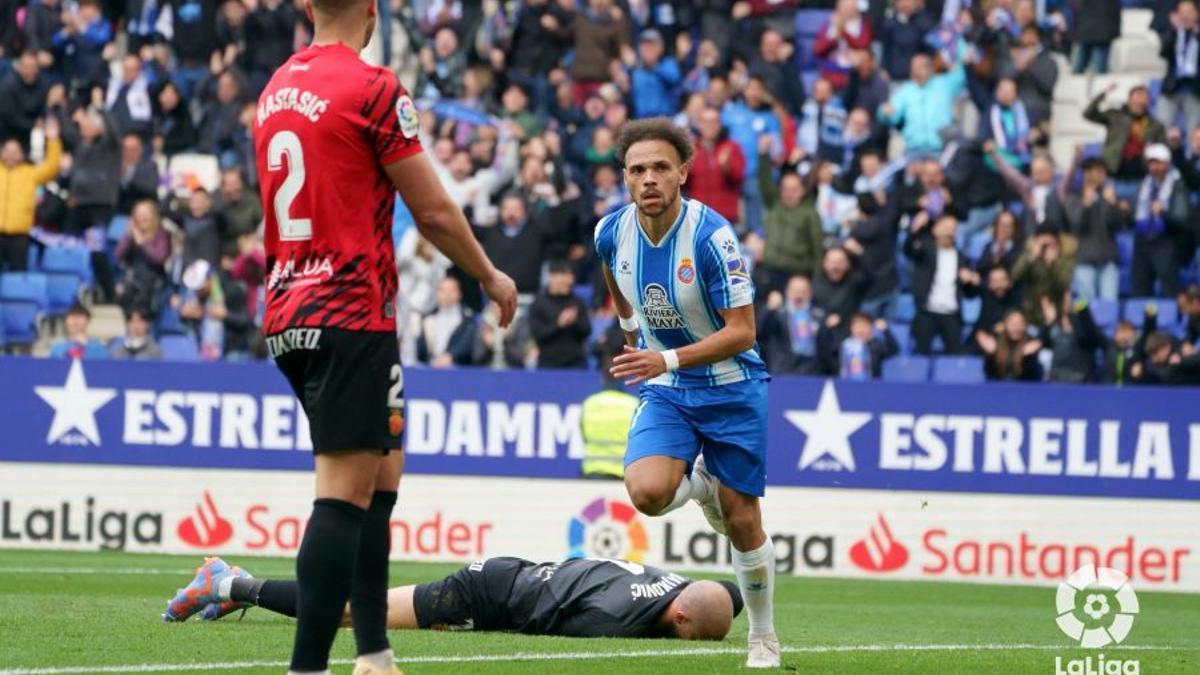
<point x="1145" y="223"/>
<point x="1012" y="139"/>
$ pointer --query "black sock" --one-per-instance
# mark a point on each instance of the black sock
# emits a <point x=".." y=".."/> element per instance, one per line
<point x="368" y="596"/>
<point x="324" y="572"/>
<point x="272" y="595"/>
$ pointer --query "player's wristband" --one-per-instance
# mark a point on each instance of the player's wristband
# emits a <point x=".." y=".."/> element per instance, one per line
<point x="672" y="359"/>
<point x="629" y="325"/>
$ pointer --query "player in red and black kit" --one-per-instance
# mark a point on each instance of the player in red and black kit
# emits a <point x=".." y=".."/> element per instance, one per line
<point x="335" y="139"/>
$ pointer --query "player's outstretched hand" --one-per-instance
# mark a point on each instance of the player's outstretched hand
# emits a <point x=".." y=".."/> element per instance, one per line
<point x="501" y="289"/>
<point x="638" y="365"/>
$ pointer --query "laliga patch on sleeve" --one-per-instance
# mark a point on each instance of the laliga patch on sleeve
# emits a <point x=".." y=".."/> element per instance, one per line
<point x="406" y="112"/>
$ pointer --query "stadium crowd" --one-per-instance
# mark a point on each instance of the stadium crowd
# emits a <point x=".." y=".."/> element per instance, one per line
<point x="906" y="176"/>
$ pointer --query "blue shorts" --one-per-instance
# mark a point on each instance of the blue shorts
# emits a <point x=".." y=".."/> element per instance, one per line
<point x="728" y="423"/>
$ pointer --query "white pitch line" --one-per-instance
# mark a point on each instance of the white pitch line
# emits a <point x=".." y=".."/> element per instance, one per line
<point x="132" y="571"/>
<point x="563" y="656"/>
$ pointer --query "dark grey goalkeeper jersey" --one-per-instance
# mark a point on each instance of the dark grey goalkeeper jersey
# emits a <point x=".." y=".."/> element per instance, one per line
<point x="576" y="598"/>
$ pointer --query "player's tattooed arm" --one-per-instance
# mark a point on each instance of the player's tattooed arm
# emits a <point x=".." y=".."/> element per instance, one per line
<point x="441" y="222"/>
<point x="624" y="309"/>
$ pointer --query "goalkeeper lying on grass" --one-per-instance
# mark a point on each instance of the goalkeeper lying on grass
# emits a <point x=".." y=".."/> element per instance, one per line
<point x="574" y="598"/>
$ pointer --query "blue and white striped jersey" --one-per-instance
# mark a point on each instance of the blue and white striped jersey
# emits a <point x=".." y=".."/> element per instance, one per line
<point x="677" y="287"/>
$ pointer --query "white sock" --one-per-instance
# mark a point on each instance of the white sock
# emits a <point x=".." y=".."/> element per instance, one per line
<point x="383" y="660"/>
<point x="225" y="587"/>
<point x="756" y="578"/>
<point x="683" y="494"/>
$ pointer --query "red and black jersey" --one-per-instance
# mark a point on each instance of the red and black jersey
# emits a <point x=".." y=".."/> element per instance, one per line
<point x="327" y="123"/>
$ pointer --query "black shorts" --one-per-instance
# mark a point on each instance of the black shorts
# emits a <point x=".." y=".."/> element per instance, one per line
<point x="473" y="598"/>
<point x="349" y="383"/>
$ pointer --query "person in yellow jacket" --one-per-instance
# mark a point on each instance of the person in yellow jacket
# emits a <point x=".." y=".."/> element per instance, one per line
<point x="606" y="418"/>
<point x="19" y="181"/>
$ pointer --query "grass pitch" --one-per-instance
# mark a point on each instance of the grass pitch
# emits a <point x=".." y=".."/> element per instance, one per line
<point x="99" y="613"/>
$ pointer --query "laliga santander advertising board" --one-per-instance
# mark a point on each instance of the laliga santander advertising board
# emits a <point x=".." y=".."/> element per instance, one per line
<point x="1002" y="484"/>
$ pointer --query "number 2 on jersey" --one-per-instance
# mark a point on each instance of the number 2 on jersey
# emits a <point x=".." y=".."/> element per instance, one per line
<point x="287" y="143"/>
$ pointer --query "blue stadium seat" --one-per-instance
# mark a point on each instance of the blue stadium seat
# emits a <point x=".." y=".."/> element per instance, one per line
<point x="117" y="228"/>
<point x="20" y="321"/>
<point x="179" y="348"/>
<point x="977" y="244"/>
<point x="971" y="308"/>
<point x="62" y="291"/>
<point x="1105" y="312"/>
<point x="3" y="335"/>
<point x="74" y="260"/>
<point x="1125" y="249"/>
<point x="905" y="309"/>
<point x="1168" y="311"/>
<point x="903" y="334"/>
<point x="25" y="287"/>
<point x="584" y="291"/>
<point x="958" y="369"/>
<point x="169" y="322"/>
<point x="907" y="369"/>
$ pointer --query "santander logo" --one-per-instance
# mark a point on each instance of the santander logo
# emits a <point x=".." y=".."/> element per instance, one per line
<point x="879" y="552"/>
<point x="205" y="528"/>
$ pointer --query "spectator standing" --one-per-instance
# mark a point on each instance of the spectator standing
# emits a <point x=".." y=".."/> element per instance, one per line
<point x="202" y="229"/>
<point x="78" y="344"/>
<point x="1130" y="129"/>
<point x="862" y="353"/>
<point x="869" y="89"/>
<point x="1160" y="220"/>
<point x="1042" y="271"/>
<point x="1123" y="350"/>
<point x="847" y="31"/>
<point x="137" y="344"/>
<point x="1097" y="24"/>
<point x="774" y="65"/>
<point x="270" y="29"/>
<point x="747" y="120"/>
<point x="924" y="106"/>
<point x="941" y="277"/>
<point x="190" y="26"/>
<point x="1165" y="364"/>
<point x="794" y="238"/>
<point x="1093" y="216"/>
<point x="788" y="329"/>
<point x="139" y="175"/>
<point x="654" y="78"/>
<point x="518" y="244"/>
<point x="128" y="99"/>
<point x="1008" y="126"/>
<point x="143" y="253"/>
<point x="998" y="299"/>
<point x="903" y="35"/>
<point x="872" y="238"/>
<point x="80" y="45"/>
<point x="23" y="93"/>
<point x="1010" y="353"/>
<point x="19" y="183"/>
<point x="1036" y="74"/>
<point x="448" y="332"/>
<point x="43" y="20"/>
<point x="718" y="167"/>
<point x="239" y="208"/>
<point x="838" y="289"/>
<point x="820" y="133"/>
<point x="536" y="48"/>
<point x="95" y="164"/>
<point x="1071" y="335"/>
<point x="599" y="34"/>
<point x="1003" y="249"/>
<point x="558" y="320"/>
<point x="174" y="130"/>
<point x="1179" y="101"/>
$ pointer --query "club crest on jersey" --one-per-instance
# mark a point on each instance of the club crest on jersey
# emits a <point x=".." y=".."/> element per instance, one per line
<point x="406" y="111"/>
<point x="686" y="272"/>
<point x="659" y="312"/>
<point x="738" y="274"/>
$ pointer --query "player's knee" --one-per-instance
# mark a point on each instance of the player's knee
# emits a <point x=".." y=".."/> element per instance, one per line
<point x="647" y="497"/>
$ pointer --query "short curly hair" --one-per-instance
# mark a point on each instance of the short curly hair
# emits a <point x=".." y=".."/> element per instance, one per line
<point x="654" y="129"/>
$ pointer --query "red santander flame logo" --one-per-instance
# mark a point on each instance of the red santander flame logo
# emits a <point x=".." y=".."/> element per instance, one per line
<point x="205" y="528"/>
<point x="879" y="552"/>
